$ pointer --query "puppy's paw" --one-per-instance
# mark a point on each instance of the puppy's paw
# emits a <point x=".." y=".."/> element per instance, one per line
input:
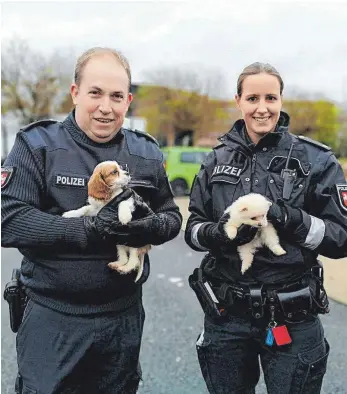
<point x="231" y="231"/>
<point x="245" y="266"/>
<point x="114" y="265"/>
<point x="70" y="214"/>
<point x="124" y="212"/>
<point x="243" y="270"/>
<point x="145" y="249"/>
<point x="278" y="250"/>
<point x="121" y="268"/>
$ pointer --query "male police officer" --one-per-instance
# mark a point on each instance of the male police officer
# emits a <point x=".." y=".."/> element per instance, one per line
<point x="82" y="327"/>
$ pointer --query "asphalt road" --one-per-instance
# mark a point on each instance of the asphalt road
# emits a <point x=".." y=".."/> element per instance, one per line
<point x="173" y="323"/>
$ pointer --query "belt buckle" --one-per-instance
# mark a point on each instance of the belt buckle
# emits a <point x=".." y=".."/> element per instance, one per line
<point x="256" y="301"/>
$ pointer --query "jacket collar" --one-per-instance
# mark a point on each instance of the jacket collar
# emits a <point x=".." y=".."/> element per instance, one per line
<point x="236" y="135"/>
<point x="78" y="134"/>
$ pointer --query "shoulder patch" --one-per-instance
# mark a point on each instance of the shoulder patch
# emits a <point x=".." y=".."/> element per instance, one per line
<point x="144" y="134"/>
<point x="6" y="175"/>
<point x="43" y="122"/>
<point x="342" y="194"/>
<point x="313" y="142"/>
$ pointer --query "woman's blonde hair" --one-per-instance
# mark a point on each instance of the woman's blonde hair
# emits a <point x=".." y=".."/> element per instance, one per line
<point x="87" y="55"/>
<point x="258" y="68"/>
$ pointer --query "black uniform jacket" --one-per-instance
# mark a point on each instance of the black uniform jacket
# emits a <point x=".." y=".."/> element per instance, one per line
<point x="234" y="168"/>
<point x="46" y="174"/>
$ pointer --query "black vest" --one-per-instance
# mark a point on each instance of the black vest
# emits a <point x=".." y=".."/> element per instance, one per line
<point x="68" y="158"/>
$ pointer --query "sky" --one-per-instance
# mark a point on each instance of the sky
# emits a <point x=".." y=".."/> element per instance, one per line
<point x="305" y="40"/>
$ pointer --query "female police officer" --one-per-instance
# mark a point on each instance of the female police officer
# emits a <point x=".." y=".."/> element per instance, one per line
<point x="271" y="310"/>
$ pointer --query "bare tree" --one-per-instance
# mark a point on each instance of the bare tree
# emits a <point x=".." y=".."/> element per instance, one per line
<point x="189" y="78"/>
<point x="31" y="83"/>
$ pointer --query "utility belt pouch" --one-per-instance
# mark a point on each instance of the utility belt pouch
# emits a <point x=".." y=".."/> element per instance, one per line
<point x="16" y="299"/>
<point x="320" y="298"/>
<point x="295" y="304"/>
<point x="205" y="294"/>
<point x="18" y="386"/>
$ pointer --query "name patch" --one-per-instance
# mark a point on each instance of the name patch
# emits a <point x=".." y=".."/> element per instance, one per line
<point x="342" y="193"/>
<point x="66" y="180"/>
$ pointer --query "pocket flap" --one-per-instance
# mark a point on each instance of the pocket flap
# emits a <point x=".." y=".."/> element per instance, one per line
<point x="278" y="163"/>
<point x="316" y="357"/>
<point x="295" y="302"/>
<point x="141" y="183"/>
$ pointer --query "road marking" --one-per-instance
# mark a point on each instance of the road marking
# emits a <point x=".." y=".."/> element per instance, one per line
<point x="175" y="279"/>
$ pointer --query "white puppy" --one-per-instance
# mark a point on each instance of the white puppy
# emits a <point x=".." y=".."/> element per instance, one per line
<point x="252" y="209"/>
<point x="107" y="182"/>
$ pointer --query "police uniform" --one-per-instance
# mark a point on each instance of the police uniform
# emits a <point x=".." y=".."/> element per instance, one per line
<point x="82" y="320"/>
<point x="228" y="348"/>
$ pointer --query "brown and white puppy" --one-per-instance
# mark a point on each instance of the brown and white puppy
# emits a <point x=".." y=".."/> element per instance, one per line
<point x="107" y="182"/>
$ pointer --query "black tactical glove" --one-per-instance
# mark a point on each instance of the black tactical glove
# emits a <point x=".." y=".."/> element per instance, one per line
<point x="106" y="225"/>
<point x="288" y="221"/>
<point x="146" y="231"/>
<point x="154" y="229"/>
<point x="213" y="236"/>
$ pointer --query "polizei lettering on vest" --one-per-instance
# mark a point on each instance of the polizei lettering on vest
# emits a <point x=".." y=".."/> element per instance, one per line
<point x="69" y="181"/>
<point x="227" y="170"/>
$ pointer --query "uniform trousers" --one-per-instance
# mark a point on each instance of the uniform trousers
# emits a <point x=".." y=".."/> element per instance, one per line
<point x="69" y="354"/>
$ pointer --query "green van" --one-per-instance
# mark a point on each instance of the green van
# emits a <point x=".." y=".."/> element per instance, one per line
<point x="182" y="163"/>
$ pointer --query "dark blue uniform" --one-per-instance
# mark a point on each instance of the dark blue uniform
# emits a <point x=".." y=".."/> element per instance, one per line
<point x="229" y="348"/>
<point x="82" y="327"/>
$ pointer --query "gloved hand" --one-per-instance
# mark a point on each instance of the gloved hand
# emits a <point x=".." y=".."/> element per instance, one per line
<point x="288" y="221"/>
<point x="213" y="236"/>
<point x="283" y="216"/>
<point x="141" y="232"/>
<point x="106" y="225"/>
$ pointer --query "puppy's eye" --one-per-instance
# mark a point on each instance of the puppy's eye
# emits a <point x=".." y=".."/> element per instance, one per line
<point x="115" y="172"/>
<point x="254" y="218"/>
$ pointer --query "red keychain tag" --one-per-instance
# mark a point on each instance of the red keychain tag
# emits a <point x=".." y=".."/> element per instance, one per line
<point x="281" y="335"/>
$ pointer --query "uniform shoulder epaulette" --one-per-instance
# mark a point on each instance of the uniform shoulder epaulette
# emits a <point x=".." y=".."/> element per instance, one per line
<point x="221" y="143"/>
<point x="144" y="134"/>
<point x="43" y="122"/>
<point x="313" y="142"/>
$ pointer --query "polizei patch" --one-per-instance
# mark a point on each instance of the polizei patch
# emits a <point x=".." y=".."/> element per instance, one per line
<point x="6" y="175"/>
<point x="226" y="173"/>
<point x="227" y="170"/>
<point x="342" y="193"/>
<point x="69" y="180"/>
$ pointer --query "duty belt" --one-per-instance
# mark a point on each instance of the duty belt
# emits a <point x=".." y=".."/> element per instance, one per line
<point x="293" y="301"/>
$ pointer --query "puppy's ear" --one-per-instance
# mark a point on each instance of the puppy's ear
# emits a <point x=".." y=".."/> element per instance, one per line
<point x="97" y="187"/>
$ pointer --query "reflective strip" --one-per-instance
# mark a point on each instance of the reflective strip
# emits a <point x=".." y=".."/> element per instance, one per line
<point x="194" y="238"/>
<point x="316" y="234"/>
<point x="200" y="341"/>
